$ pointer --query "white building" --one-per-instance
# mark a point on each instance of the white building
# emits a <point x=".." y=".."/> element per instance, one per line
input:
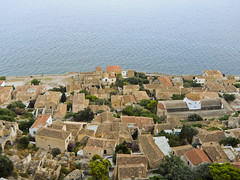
<point x="42" y="121"/>
<point x="200" y="79"/>
<point x="124" y="74"/>
<point x="2" y="83"/>
<point x="193" y="101"/>
<point x="162" y="143"/>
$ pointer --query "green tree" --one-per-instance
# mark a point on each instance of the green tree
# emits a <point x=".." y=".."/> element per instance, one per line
<point x="35" y="82"/>
<point x="61" y="89"/>
<point x="91" y="97"/>
<point x="194" y="117"/>
<point x="84" y="115"/>
<point x="6" y="166"/>
<point x="121" y="149"/>
<point x="7" y="115"/>
<point x="188" y="132"/>
<point x="144" y="102"/>
<point x="63" y="98"/>
<point x="16" y="104"/>
<point x="25" y="125"/>
<point x="224" y="171"/>
<point x="2" y="77"/>
<point x="99" y="168"/>
<point x="173" y="140"/>
<point x="84" y="91"/>
<point x="229" y="97"/>
<point x="173" y="168"/>
<point x="178" y="96"/>
<point x="230" y="141"/>
<point x="152" y="106"/>
<point x="128" y="110"/>
<point x="23" y="142"/>
<point x="203" y="172"/>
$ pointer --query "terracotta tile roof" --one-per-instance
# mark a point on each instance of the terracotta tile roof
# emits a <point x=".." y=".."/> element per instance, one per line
<point x="131" y="87"/>
<point x="213" y="72"/>
<point x="213" y="136"/>
<point x="165" y="81"/>
<point x="116" y="69"/>
<point x="92" y="148"/>
<point x="140" y="95"/>
<point x="61" y="111"/>
<point x="209" y="95"/>
<point x="215" y="152"/>
<point x="112" y="77"/>
<point x="230" y="89"/>
<point x="138" y="171"/>
<point x="151" y="150"/>
<point x="236" y="164"/>
<point x="53" y="133"/>
<point x="215" y="87"/>
<point x="124" y="159"/>
<point x="98" y="68"/>
<point x="160" y="106"/>
<point x="40" y="122"/>
<point x="197" y="156"/>
<point x="141" y="122"/>
<point x="129" y="99"/>
<point x="99" y="142"/>
<point x="180" y="150"/>
<point x="193" y="96"/>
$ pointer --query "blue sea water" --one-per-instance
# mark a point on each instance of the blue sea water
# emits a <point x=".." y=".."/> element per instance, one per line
<point x="167" y="36"/>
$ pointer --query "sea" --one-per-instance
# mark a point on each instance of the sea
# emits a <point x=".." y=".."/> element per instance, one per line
<point x="165" y="36"/>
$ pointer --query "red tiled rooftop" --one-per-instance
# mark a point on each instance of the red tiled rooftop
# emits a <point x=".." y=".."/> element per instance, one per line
<point x="160" y="106"/>
<point x="197" y="156"/>
<point x="40" y="122"/>
<point x="165" y="81"/>
<point x="113" y="69"/>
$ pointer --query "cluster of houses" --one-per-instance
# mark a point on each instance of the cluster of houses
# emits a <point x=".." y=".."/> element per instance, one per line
<point x="106" y="131"/>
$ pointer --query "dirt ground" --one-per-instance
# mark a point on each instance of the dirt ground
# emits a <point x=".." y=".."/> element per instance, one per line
<point x="49" y="81"/>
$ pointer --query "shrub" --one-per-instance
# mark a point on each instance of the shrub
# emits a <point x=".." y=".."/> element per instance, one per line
<point x="6" y="166"/>
<point x="225" y="117"/>
<point x="230" y="141"/>
<point x="35" y="82"/>
<point x="23" y="143"/>
<point x="229" y="97"/>
<point x="7" y="112"/>
<point x="56" y="151"/>
<point x="91" y="97"/>
<point x="71" y="146"/>
<point x="178" y="96"/>
<point x="2" y="77"/>
<point x="237" y="85"/>
<point x="7" y="118"/>
<point x="84" y="115"/>
<point x="15" y="174"/>
<point x="79" y="166"/>
<point x="25" y="125"/>
<point x="16" y="104"/>
<point x="61" y="89"/>
<point x="194" y="117"/>
<point x="84" y="91"/>
<point x="64" y="170"/>
<point x="196" y="125"/>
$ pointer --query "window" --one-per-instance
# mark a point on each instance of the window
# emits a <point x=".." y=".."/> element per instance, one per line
<point x="34" y="132"/>
<point x="105" y="151"/>
<point x="188" y="163"/>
